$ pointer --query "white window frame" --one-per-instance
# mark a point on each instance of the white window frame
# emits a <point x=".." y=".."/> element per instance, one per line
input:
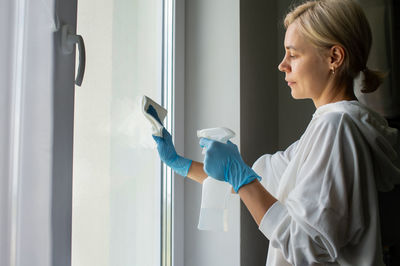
<point x="172" y="197"/>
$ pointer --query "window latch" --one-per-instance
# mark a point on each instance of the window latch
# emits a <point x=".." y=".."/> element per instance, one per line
<point x="68" y="41"/>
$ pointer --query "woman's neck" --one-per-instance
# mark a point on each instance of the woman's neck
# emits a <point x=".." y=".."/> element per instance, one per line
<point x="335" y="95"/>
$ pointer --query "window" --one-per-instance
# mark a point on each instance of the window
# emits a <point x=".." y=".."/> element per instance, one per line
<point x="121" y="207"/>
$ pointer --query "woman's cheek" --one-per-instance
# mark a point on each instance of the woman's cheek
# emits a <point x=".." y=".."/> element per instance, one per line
<point x="294" y="66"/>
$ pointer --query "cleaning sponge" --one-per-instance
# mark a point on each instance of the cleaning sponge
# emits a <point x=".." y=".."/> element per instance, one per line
<point x="157" y="127"/>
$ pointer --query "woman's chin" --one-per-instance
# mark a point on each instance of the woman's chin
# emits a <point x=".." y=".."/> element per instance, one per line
<point x="295" y="95"/>
<point x="298" y="96"/>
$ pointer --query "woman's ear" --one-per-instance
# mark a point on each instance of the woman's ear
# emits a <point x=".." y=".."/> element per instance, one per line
<point x="336" y="56"/>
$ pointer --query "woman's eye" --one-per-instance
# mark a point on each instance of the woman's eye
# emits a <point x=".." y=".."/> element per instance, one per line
<point x="292" y="56"/>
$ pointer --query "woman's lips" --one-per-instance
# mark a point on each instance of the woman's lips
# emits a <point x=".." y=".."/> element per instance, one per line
<point x="289" y="83"/>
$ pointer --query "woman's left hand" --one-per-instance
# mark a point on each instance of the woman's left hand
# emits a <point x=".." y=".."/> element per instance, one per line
<point x="223" y="162"/>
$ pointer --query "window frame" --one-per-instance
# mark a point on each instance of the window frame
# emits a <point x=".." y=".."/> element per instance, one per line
<point x="172" y="185"/>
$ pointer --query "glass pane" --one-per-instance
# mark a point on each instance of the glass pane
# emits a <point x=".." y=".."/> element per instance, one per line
<point x="116" y="186"/>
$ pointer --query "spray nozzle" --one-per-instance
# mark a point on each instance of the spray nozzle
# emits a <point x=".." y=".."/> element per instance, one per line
<point x="221" y="134"/>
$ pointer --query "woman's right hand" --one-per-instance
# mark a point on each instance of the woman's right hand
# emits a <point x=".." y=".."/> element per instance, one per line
<point x="166" y="149"/>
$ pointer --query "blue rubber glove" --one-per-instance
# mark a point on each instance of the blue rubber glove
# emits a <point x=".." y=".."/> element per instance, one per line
<point x="166" y="149"/>
<point x="223" y="162"/>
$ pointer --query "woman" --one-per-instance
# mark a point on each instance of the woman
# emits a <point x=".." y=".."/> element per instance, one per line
<point x="317" y="200"/>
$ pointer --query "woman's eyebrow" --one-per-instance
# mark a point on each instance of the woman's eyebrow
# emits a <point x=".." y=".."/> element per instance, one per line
<point x="290" y="47"/>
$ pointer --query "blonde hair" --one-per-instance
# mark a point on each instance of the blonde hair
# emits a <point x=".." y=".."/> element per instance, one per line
<point x="339" y="22"/>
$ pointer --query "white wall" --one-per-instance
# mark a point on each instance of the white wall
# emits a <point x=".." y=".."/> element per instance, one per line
<point x="212" y="87"/>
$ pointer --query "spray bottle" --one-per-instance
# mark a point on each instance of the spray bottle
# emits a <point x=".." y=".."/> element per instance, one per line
<point x="213" y="210"/>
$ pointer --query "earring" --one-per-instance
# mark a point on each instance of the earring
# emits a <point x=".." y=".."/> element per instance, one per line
<point x="333" y="70"/>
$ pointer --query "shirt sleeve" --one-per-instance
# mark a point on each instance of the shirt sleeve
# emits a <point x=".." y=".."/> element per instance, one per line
<point x="324" y="212"/>
<point x="271" y="167"/>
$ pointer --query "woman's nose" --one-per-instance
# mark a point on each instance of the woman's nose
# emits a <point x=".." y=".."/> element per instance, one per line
<point x="284" y="66"/>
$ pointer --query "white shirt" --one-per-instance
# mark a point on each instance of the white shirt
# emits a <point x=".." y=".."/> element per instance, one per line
<point x="326" y="185"/>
